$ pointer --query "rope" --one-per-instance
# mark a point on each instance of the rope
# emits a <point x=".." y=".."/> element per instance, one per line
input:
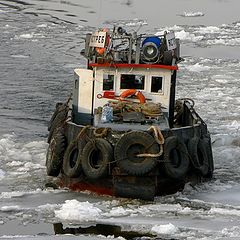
<point x="101" y="132"/>
<point x="159" y="139"/>
<point x="82" y="132"/>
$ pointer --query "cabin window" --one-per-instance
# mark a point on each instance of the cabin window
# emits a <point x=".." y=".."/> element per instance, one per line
<point x="132" y="81"/>
<point x="108" y="81"/>
<point x="157" y="84"/>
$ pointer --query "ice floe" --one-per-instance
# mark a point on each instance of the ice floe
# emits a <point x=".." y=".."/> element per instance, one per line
<point x="208" y="29"/>
<point x="197" y="68"/>
<point x="78" y="211"/>
<point x="31" y="35"/>
<point x="164" y="229"/>
<point x="10" y="208"/>
<point x="192" y="14"/>
<point x="183" y="35"/>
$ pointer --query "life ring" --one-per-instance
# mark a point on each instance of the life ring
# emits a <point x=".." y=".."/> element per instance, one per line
<point x="198" y="155"/>
<point x="96" y="156"/>
<point x="101" y="50"/>
<point x="129" y="146"/>
<point x="130" y="92"/>
<point x="176" y="161"/>
<point x="72" y="162"/>
<point x="54" y="157"/>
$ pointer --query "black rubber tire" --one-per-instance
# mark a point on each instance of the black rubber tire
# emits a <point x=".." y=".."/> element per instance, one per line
<point x="96" y="156"/>
<point x="131" y="144"/>
<point x="55" y="152"/>
<point x="58" y="121"/>
<point x="208" y="145"/>
<point x="57" y="110"/>
<point x="72" y="161"/>
<point x="176" y="161"/>
<point x="198" y="155"/>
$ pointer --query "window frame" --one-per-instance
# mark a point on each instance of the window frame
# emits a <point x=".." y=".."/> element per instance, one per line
<point x="161" y="92"/>
<point x="114" y="80"/>
<point x="135" y="74"/>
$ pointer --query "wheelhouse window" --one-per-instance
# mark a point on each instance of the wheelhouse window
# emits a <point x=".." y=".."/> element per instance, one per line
<point x="132" y="81"/>
<point x="157" y="84"/>
<point x="108" y="82"/>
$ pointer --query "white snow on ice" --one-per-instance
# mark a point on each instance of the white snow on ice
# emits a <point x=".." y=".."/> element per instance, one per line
<point x="183" y="35"/>
<point x="78" y="211"/>
<point x="164" y="229"/>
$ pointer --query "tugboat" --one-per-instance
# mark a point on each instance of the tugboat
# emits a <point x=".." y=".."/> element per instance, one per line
<point x="122" y="132"/>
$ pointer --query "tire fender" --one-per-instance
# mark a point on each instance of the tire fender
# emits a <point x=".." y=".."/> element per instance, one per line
<point x="72" y="162"/>
<point x="198" y="155"/>
<point x="96" y="156"/>
<point x="55" y="152"/>
<point x="131" y="144"/>
<point x="176" y="161"/>
<point x="207" y="141"/>
<point x="57" y="120"/>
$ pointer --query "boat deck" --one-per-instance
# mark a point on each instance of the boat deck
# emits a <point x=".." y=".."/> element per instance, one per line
<point x="162" y="123"/>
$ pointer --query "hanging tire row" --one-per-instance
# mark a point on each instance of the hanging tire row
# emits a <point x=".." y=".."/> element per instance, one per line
<point x="93" y="157"/>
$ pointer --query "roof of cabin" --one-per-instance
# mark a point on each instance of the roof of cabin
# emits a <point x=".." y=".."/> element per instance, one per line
<point x="127" y="65"/>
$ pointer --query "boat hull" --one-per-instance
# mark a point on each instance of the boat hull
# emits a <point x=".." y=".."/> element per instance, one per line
<point x="117" y="182"/>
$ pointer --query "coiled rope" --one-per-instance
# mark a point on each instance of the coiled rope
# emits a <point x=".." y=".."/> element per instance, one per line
<point x="158" y="138"/>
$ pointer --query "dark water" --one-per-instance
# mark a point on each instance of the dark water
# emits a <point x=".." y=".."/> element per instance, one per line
<point x="40" y="43"/>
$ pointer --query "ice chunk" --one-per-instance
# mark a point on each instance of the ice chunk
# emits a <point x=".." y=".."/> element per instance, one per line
<point x="78" y="211"/>
<point x="164" y="229"/>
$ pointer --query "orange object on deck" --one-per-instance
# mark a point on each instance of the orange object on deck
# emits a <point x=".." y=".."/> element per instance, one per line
<point x="131" y="92"/>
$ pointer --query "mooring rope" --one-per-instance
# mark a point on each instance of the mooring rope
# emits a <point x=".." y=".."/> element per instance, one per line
<point x="158" y="138"/>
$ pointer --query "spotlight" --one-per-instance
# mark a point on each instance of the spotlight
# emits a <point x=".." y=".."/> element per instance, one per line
<point x="150" y="49"/>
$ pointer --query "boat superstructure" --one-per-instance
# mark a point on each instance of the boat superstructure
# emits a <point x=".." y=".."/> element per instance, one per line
<point x="123" y="132"/>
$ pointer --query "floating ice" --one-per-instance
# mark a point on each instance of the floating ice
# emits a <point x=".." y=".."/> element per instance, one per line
<point x="9" y="208"/>
<point x="173" y="28"/>
<point x="19" y="158"/>
<point x="223" y="41"/>
<point x="42" y="25"/>
<point x="197" y="68"/>
<point x="17" y="194"/>
<point x="226" y="212"/>
<point x="233" y="232"/>
<point x="137" y="22"/>
<point x="14" y="164"/>
<point x="19" y="56"/>
<point x="78" y="211"/>
<point x="183" y="35"/>
<point x="2" y="173"/>
<point x="209" y="29"/>
<point x="118" y="211"/>
<point x="164" y="229"/>
<point x="29" y="36"/>
<point x="192" y="14"/>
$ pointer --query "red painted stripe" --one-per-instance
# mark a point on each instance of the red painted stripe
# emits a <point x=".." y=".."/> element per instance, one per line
<point x="79" y="186"/>
<point x="126" y="65"/>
